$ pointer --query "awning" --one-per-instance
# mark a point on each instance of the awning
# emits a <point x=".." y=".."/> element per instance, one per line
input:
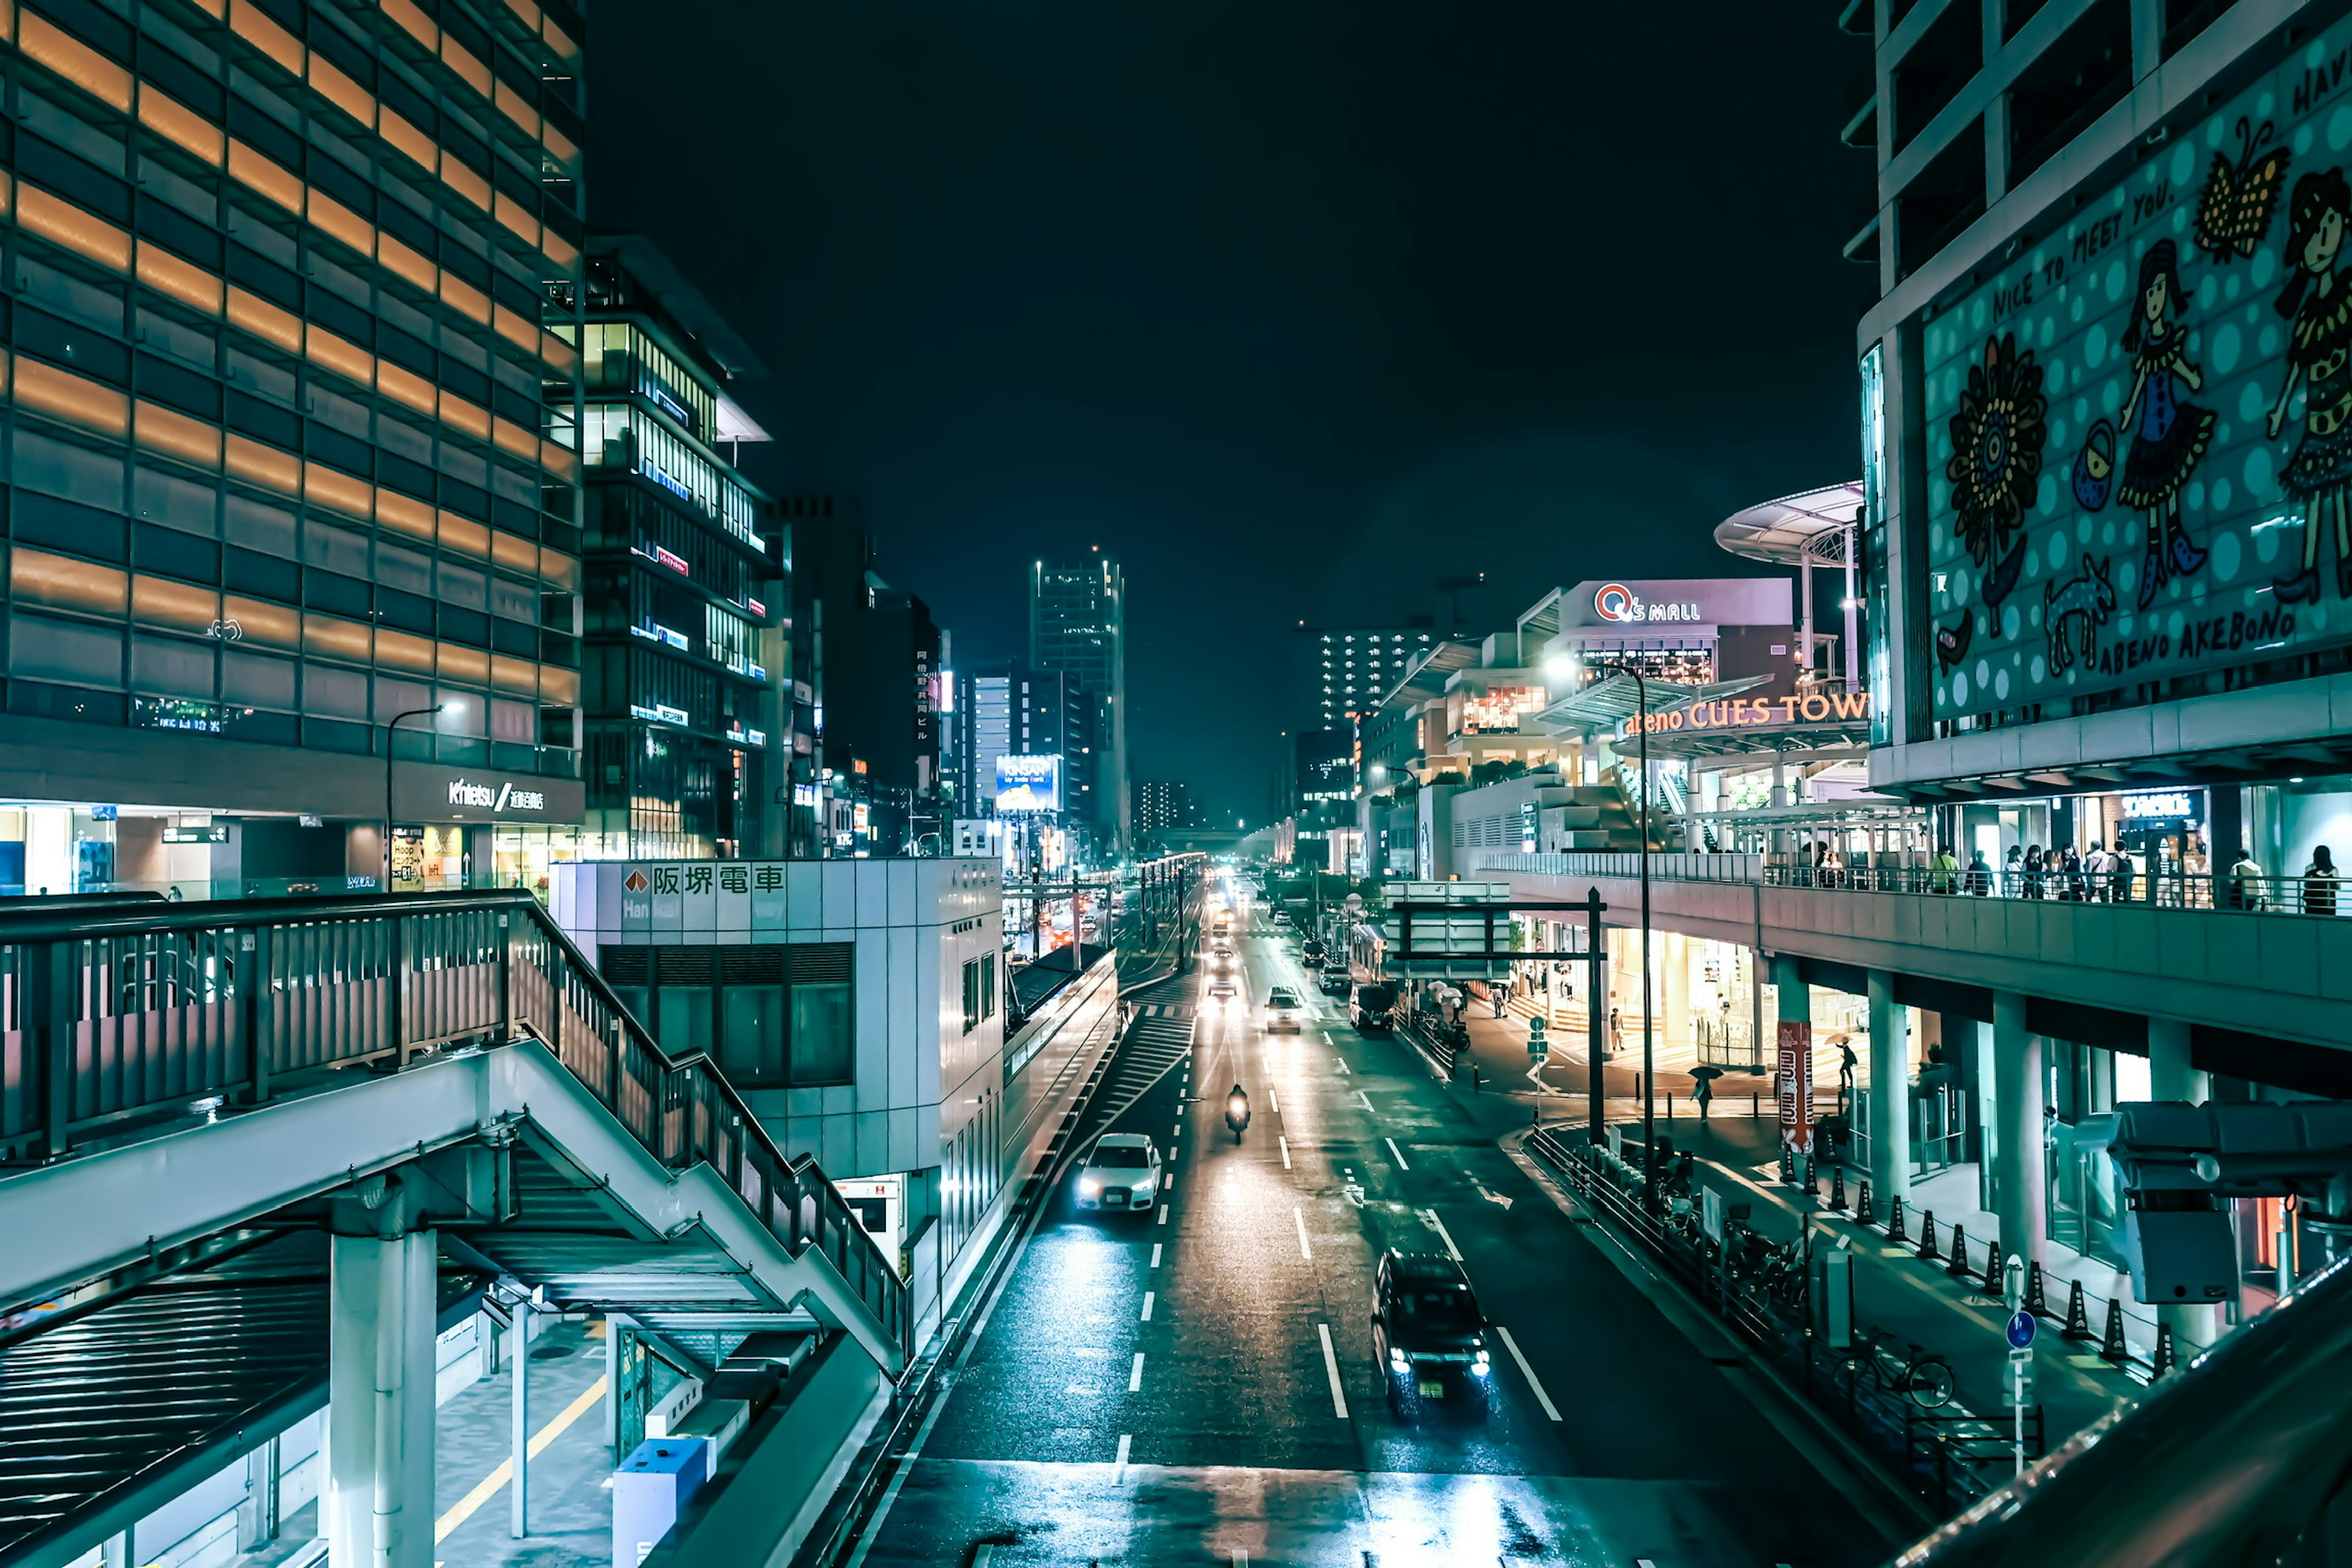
<point x="1807" y="527"/>
<point x="1607" y="703"/>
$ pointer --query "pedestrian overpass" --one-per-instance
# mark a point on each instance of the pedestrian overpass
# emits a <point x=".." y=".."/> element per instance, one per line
<point x="438" y="1090"/>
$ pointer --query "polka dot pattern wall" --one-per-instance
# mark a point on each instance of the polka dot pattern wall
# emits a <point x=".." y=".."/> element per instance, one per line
<point x="2139" y="432"/>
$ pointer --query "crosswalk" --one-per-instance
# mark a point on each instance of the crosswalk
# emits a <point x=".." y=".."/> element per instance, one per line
<point x="1164" y="1010"/>
<point x="1155" y="1042"/>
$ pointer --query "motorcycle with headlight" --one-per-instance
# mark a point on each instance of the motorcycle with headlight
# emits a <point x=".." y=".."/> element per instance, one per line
<point x="1237" y="1111"/>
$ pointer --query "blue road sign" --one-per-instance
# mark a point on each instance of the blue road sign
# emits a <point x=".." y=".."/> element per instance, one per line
<point x="2021" y="1327"/>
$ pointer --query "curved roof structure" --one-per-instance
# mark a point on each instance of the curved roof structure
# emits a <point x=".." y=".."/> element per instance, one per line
<point x="1793" y="530"/>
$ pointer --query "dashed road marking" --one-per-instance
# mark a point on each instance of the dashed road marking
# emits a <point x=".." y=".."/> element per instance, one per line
<point x="1163" y="1215"/>
<point x="1285" y="1150"/>
<point x="1148" y="1299"/>
<point x="1363" y="1100"/>
<point x="1272" y="1103"/>
<point x="1135" y="1378"/>
<point x="1332" y="1370"/>
<point x="1443" y="1234"/>
<point x="1305" y="1251"/>
<point x="1119" y="1472"/>
<point x="1403" y="1163"/>
<point x="1155" y="1255"/>
<point x="1528" y="1372"/>
<point x="1340" y="1062"/>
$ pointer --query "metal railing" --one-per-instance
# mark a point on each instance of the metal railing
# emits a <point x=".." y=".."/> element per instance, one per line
<point x="2316" y="897"/>
<point x="147" y="1011"/>
<point x="1947" y="1457"/>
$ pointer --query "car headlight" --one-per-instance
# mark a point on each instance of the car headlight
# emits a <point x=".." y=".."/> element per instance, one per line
<point x="1396" y="1359"/>
<point x="1479" y="1364"/>
<point x="1089" y="1186"/>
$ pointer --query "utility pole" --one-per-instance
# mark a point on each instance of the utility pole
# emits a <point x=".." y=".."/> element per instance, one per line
<point x="1595" y="1024"/>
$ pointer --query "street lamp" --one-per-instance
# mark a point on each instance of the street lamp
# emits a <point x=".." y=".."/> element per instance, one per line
<point x="388" y="729"/>
<point x="1649" y="1064"/>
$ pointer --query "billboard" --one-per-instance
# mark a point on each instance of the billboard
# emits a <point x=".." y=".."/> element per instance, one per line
<point x="2138" y="462"/>
<point x="1028" y="784"/>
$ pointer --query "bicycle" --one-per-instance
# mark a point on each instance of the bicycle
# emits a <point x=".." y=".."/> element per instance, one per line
<point x="1928" y="1381"/>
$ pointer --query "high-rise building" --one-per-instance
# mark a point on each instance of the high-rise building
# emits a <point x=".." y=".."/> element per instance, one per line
<point x="1164" y="805"/>
<point x="984" y="729"/>
<point x="688" y="653"/>
<point x="1078" y="623"/>
<point x="1351" y="669"/>
<point x="278" y="477"/>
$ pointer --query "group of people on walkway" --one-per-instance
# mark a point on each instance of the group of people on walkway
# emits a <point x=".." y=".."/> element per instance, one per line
<point x="2101" y="875"/>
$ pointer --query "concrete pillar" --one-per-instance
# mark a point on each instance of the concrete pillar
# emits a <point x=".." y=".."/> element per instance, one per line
<point x="2014" y="1131"/>
<point x="1890" y="1089"/>
<point x="1673" y="956"/>
<point x="2169" y="1076"/>
<point x="378" y="1510"/>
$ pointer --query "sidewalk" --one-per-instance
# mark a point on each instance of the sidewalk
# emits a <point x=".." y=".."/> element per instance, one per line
<point x="1909" y="1300"/>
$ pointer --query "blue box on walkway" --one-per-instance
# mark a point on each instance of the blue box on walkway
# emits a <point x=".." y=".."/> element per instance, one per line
<point x="650" y="1489"/>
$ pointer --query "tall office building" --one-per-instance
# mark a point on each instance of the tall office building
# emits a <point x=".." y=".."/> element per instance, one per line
<point x="984" y="729"/>
<point x="278" y="472"/>
<point x="686" y="649"/>
<point x="1351" y="669"/>
<point x="1078" y="623"/>
<point x="1164" y="805"/>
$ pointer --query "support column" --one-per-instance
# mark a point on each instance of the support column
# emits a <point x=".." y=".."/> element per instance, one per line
<point x="1890" y="1089"/>
<point x="2014" y="1131"/>
<point x="378" y="1509"/>
<point x="1794" y="1005"/>
<point x="2169" y="1075"/>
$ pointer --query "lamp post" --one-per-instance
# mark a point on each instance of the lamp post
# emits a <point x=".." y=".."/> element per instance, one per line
<point x="1649" y="1063"/>
<point x="388" y="729"/>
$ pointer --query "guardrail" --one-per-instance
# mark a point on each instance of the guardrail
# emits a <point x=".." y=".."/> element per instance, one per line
<point x="2316" y="897"/>
<point x="114" y="1014"/>
<point x="1948" y="1458"/>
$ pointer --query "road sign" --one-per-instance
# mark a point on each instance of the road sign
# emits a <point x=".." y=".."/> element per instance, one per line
<point x="1537" y="1045"/>
<point x="2021" y="1329"/>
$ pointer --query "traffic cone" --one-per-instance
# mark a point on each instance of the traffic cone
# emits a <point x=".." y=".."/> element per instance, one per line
<point x="1864" y="1212"/>
<point x="2033" y="1299"/>
<point x="1787" y="1167"/>
<point x="2111" y="1345"/>
<point x="1958" y="1267"/>
<point x="1837" y="1187"/>
<point x="1813" y="1176"/>
<point x="2078" y="1318"/>
<point x="1895" y="1224"/>
<point x="2166" y="1361"/>
<point x="1928" y="1253"/>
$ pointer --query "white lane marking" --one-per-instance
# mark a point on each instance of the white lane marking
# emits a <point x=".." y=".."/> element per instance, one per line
<point x="1168" y="1183"/>
<point x="1275" y="1104"/>
<point x="982" y="1555"/>
<point x="1327" y="1036"/>
<point x="1332" y="1370"/>
<point x="1134" y="1378"/>
<point x="1285" y="1150"/>
<point x="979" y="1328"/>
<point x="1179" y="1133"/>
<point x="1528" y="1372"/>
<point x="1241" y="1559"/>
<point x="1119" y="1473"/>
<point x="1340" y="1062"/>
<point x="1366" y="1101"/>
<point x="1403" y="1163"/>
<point x="1148" y="1298"/>
<point x="1304" y="1250"/>
<point x="1155" y="1255"/>
<point x="1443" y="1235"/>
<point x="1163" y="1215"/>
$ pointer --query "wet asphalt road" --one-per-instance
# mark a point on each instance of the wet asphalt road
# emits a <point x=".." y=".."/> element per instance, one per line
<point x="1236" y="1448"/>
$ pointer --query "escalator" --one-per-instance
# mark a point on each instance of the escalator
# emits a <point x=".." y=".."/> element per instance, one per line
<point x="190" y="1095"/>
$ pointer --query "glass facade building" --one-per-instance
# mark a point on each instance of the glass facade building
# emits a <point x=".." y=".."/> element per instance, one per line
<point x="687" y="650"/>
<point x="280" y="465"/>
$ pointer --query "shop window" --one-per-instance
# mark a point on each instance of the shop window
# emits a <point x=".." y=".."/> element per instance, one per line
<point x="782" y="1014"/>
<point x="752" y="1040"/>
<point x="822" y="1045"/>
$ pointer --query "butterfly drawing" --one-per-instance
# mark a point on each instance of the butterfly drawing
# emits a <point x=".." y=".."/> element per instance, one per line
<point x="2233" y="210"/>
<point x="1952" y="642"/>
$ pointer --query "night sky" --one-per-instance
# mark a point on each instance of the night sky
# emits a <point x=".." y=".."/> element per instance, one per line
<point x="1294" y="308"/>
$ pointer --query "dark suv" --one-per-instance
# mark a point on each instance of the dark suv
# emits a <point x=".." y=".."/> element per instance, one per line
<point x="1427" y="1332"/>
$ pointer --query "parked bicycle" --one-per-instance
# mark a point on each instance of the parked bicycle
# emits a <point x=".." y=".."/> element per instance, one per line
<point x="1927" y="1381"/>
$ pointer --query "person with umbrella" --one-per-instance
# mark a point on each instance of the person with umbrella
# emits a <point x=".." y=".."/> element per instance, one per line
<point x="1703" y="1079"/>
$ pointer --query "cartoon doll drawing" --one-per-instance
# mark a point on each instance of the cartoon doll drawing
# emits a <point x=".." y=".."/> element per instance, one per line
<point x="2167" y="435"/>
<point x="2319" y="303"/>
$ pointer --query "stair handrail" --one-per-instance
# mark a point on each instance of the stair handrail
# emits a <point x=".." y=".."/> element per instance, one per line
<point x="681" y="1109"/>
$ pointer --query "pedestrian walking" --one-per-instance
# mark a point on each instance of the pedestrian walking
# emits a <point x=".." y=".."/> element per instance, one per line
<point x="2123" y="875"/>
<point x="1944" y="871"/>
<point x="2094" y="873"/>
<point x="1703" y="1079"/>
<point x="1979" y="876"/>
<point x="2035" y="870"/>
<point x="2013" y="873"/>
<point x="2244" y="888"/>
<point x="2319" y="883"/>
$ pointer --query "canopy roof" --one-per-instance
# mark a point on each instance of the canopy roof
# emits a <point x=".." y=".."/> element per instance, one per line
<point x="1793" y="530"/>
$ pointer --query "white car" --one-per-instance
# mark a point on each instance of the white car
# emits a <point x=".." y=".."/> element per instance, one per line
<point x="1281" y="1009"/>
<point x="1122" y="1172"/>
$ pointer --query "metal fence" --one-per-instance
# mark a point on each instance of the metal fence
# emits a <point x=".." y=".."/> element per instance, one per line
<point x="2316" y="897"/>
<point x="148" y="1010"/>
<point x="1947" y="1457"/>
